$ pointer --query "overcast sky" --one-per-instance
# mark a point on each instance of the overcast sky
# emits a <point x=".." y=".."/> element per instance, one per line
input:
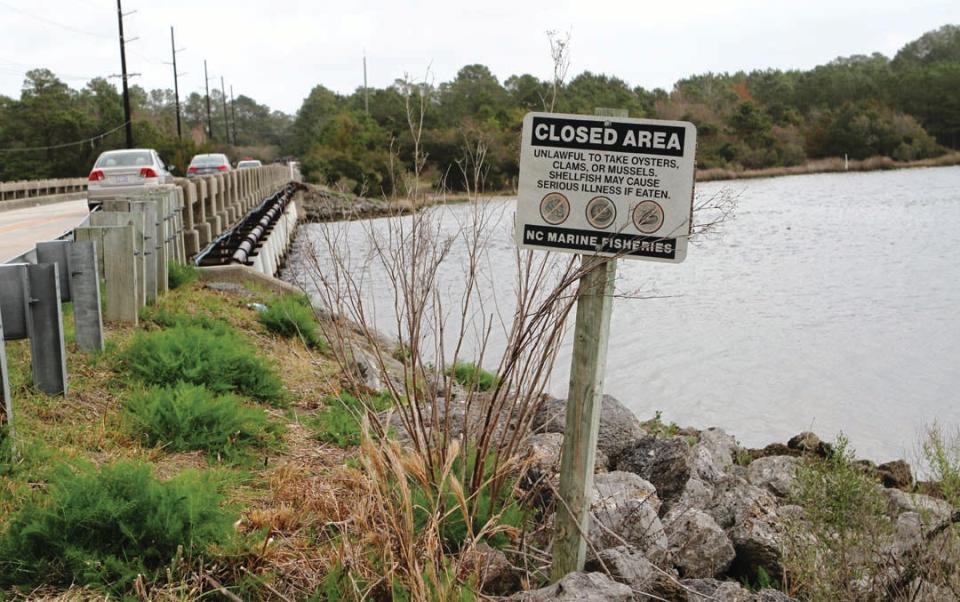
<point x="276" y="50"/>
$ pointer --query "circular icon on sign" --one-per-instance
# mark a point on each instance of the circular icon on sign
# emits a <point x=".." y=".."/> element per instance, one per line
<point x="554" y="208"/>
<point x="601" y="212"/>
<point x="648" y="217"/>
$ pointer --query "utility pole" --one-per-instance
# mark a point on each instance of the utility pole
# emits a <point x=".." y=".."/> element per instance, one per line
<point x="226" y="116"/>
<point x="176" y="83"/>
<point x="123" y="69"/>
<point x="206" y="83"/>
<point x="233" y="113"/>
<point x="366" y="91"/>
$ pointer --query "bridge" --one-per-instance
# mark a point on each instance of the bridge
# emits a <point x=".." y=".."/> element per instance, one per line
<point x="54" y="250"/>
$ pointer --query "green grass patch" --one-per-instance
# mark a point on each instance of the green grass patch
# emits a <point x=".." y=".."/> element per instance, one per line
<point x="292" y="316"/>
<point x="179" y="274"/>
<point x="165" y="317"/>
<point x="187" y="417"/>
<point x="105" y="526"/>
<point x="473" y="376"/>
<point x="221" y="361"/>
<point x="338" y="422"/>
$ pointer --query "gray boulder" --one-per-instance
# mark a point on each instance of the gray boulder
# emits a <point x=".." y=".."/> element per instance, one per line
<point x="543" y="452"/>
<point x="497" y="575"/>
<point x="580" y="587"/>
<point x="665" y="462"/>
<point x="625" y="511"/>
<point x="776" y="474"/>
<point x="618" y="425"/>
<point x="701" y="590"/>
<point x="698" y="546"/>
<point x="930" y="509"/>
<point x="749" y="516"/>
<point x="896" y="474"/>
<point x="712" y="455"/>
<point x="629" y="566"/>
<point x="696" y="494"/>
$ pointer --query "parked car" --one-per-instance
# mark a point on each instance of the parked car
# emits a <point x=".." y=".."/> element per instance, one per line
<point x="203" y="165"/>
<point x="248" y="163"/>
<point x="124" y="172"/>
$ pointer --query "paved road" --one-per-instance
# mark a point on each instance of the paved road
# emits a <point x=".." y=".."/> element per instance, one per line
<point x="20" y="229"/>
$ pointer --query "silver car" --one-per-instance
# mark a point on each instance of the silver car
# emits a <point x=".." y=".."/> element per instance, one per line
<point x="212" y="163"/>
<point x="248" y="164"/>
<point x="120" y="173"/>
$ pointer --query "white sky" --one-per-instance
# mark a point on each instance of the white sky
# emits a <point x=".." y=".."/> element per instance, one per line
<point x="277" y="50"/>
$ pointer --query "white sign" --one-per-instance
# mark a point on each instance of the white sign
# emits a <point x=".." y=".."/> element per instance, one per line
<point x="609" y="186"/>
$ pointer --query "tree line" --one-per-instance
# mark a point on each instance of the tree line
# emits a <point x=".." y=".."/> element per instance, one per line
<point x="864" y="105"/>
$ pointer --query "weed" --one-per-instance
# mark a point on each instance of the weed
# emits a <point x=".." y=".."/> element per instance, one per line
<point x="221" y="361"/>
<point x="179" y="274"/>
<point x="292" y="316"/>
<point x="473" y="376"/>
<point x="166" y="318"/>
<point x="943" y="458"/>
<point x="742" y="457"/>
<point x="339" y="421"/>
<point x="186" y="417"/>
<point x="656" y="426"/>
<point x="105" y="526"/>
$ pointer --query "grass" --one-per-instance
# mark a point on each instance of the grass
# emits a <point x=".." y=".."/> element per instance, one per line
<point x="339" y="422"/>
<point x="179" y="274"/>
<point x="104" y="526"/>
<point x="472" y="376"/>
<point x="223" y="362"/>
<point x="186" y="417"/>
<point x="292" y="316"/>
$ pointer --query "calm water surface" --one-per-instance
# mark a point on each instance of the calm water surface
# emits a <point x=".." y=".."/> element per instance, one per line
<point x="830" y="302"/>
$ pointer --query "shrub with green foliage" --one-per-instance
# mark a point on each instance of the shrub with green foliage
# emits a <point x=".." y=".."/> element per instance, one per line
<point x="221" y="361"/>
<point x="167" y="318"/>
<point x="339" y="421"/>
<point x="292" y="316"/>
<point x="473" y="376"/>
<point x="179" y="274"/>
<point x="105" y="526"/>
<point x="187" y="417"/>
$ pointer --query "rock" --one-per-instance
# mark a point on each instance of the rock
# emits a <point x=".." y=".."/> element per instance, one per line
<point x="772" y="595"/>
<point x="580" y="587"/>
<point x="774" y="449"/>
<point x="618" y="425"/>
<point x="625" y="511"/>
<point x="629" y="566"/>
<point x="749" y="516"/>
<point x="908" y="535"/>
<point x="735" y="500"/>
<point x="542" y="451"/>
<point x="930" y="509"/>
<point x="716" y="591"/>
<point x="712" y="455"/>
<point x="497" y="575"/>
<point x="455" y="411"/>
<point x="776" y="474"/>
<point x="232" y="288"/>
<point x="806" y="442"/>
<point x="665" y="462"/>
<point x="896" y="474"/>
<point x="698" y="546"/>
<point x="758" y="542"/>
<point x="696" y="494"/>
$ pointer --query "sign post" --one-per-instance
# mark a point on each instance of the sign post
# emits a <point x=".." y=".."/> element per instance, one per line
<point x="605" y="187"/>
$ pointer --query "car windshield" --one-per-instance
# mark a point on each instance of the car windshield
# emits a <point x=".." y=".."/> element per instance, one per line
<point x="205" y="160"/>
<point x="125" y="159"/>
<point x="248" y="164"/>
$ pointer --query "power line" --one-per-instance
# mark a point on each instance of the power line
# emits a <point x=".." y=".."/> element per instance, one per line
<point x="65" y="144"/>
<point x="52" y="22"/>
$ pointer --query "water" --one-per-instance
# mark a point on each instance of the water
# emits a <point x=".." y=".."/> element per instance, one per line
<point x="828" y="303"/>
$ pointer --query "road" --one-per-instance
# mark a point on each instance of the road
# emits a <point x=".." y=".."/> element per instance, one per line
<point x="21" y="229"/>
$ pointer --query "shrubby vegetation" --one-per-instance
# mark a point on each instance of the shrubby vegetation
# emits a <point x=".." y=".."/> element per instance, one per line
<point x="339" y="422"/>
<point x="179" y="274"/>
<point x="292" y="316"/>
<point x="221" y="361"/>
<point x="861" y="106"/>
<point x="105" y="526"/>
<point x="472" y="376"/>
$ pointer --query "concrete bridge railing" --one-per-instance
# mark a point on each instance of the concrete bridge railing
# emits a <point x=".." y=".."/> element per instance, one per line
<point x="27" y="193"/>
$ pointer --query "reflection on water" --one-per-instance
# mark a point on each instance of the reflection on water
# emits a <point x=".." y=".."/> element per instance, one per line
<point x="830" y="302"/>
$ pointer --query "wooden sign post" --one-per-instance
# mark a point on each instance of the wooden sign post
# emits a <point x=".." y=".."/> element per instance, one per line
<point x="606" y="187"/>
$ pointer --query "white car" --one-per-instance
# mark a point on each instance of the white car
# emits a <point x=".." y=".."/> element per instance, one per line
<point x="249" y="163"/>
<point x="121" y="173"/>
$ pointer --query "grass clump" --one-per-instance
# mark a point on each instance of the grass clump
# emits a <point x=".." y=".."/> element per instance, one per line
<point x="187" y="417"/>
<point x="166" y="318"/>
<point x="103" y="527"/>
<point x="292" y="316"/>
<point x="470" y="375"/>
<point x="221" y="361"/>
<point x="338" y="422"/>
<point x="179" y="274"/>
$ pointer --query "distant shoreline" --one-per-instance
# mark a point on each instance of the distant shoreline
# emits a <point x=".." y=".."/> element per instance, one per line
<point x="828" y="165"/>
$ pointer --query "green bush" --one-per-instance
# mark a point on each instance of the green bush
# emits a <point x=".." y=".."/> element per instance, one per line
<point x="221" y="361"/>
<point x="167" y="318"/>
<point x="179" y="274"/>
<point x="292" y="316"/>
<point x="105" y="526"/>
<point x="339" y="421"/>
<point x="473" y="376"/>
<point x="187" y="417"/>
